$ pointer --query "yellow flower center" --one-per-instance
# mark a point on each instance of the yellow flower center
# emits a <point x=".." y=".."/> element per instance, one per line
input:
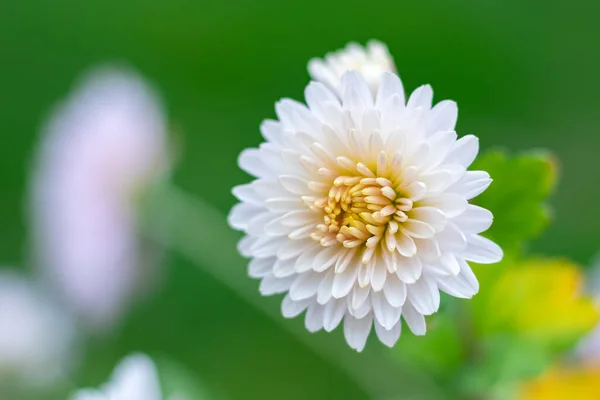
<point x="361" y="208"/>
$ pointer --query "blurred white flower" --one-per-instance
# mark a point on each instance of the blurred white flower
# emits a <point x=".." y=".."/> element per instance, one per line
<point x="588" y="350"/>
<point x="135" y="378"/>
<point x="100" y="149"/>
<point x="360" y="210"/>
<point x="36" y="338"/>
<point x="371" y="62"/>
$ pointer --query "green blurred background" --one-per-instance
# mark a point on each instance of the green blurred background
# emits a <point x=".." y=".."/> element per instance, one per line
<point x="524" y="74"/>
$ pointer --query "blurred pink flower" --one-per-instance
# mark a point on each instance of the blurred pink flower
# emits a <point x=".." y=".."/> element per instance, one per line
<point x="36" y="337"/>
<point x="100" y="149"/>
<point x="135" y="378"/>
<point x="588" y="350"/>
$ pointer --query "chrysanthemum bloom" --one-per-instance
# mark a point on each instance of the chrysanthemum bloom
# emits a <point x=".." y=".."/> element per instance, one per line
<point x="99" y="150"/>
<point x="371" y="62"/>
<point x="36" y="337"/>
<point x="135" y="378"/>
<point x="360" y="208"/>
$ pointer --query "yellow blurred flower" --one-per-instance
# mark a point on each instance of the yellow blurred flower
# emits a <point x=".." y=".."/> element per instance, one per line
<point x="564" y="384"/>
<point x="539" y="298"/>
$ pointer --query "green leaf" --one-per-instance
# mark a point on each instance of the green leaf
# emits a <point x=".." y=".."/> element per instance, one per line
<point x="501" y="364"/>
<point x="440" y="351"/>
<point x="517" y="195"/>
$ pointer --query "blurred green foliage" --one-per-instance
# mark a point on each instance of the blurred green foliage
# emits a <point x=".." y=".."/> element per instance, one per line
<point x="518" y="196"/>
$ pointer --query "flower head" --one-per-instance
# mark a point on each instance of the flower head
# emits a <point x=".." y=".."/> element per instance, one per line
<point x="135" y="378"/>
<point x="99" y="149"/>
<point x="360" y="208"/>
<point x="371" y="62"/>
<point x="36" y="338"/>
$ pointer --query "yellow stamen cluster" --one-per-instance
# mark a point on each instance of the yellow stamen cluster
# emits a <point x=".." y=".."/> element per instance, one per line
<point x="361" y="209"/>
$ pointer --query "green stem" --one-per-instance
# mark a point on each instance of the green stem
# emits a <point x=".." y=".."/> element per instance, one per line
<point x="199" y="232"/>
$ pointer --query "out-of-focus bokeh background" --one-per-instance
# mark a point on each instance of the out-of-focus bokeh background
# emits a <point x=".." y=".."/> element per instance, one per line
<point x="524" y="74"/>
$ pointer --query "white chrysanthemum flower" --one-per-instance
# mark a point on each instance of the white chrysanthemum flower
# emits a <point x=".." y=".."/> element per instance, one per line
<point x="135" y="378"/>
<point x="371" y="62"/>
<point x="99" y="150"/>
<point x="360" y="208"/>
<point x="36" y="338"/>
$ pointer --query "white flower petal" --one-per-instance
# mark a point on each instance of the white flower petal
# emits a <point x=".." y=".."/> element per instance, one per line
<point x="293" y="248"/>
<point x="261" y="267"/>
<point x="436" y="181"/>
<point x="475" y="219"/>
<point x="464" y="151"/>
<point x="451" y="238"/>
<point x="414" y="319"/>
<point x="409" y="269"/>
<point x="305" y="261"/>
<point x="244" y="246"/>
<point x="421" y="97"/>
<point x="272" y="285"/>
<point x="314" y="317"/>
<point x="432" y="216"/>
<point x="443" y="116"/>
<point x="429" y="249"/>
<point x="283" y="268"/>
<point x="467" y="273"/>
<point x="472" y="184"/>
<point x="246" y="193"/>
<point x="388" y="337"/>
<point x="424" y="296"/>
<point x="416" y="191"/>
<point x="482" y="250"/>
<point x="449" y="264"/>
<point x="440" y="144"/>
<point x="283" y="204"/>
<point x="266" y="246"/>
<point x="257" y="225"/>
<point x="333" y="314"/>
<point x="241" y="214"/>
<point x="356" y="331"/>
<point x="391" y="120"/>
<point x="319" y="97"/>
<point x="390" y="85"/>
<point x="463" y="286"/>
<point x="356" y="95"/>
<point x="405" y="245"/>
<point x="395" y="291"/>
<point x="272" y="132"/>
<point x="305" y="285"/>
<point x="294" y="184"/>
<point x="417" y="229"/>
<point x="361" y="311"/>
<point x="359" y="296"/>
<point x="326" y="258"/>
<point x="251" y="162"/>
<point x="343" y="283"/>
<point x="378" y="277"/>
<point x="325" y="291"/>
<point x="384" y="312"/>
<point x="451" y="204"/>
<point x="291" y="308"/>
